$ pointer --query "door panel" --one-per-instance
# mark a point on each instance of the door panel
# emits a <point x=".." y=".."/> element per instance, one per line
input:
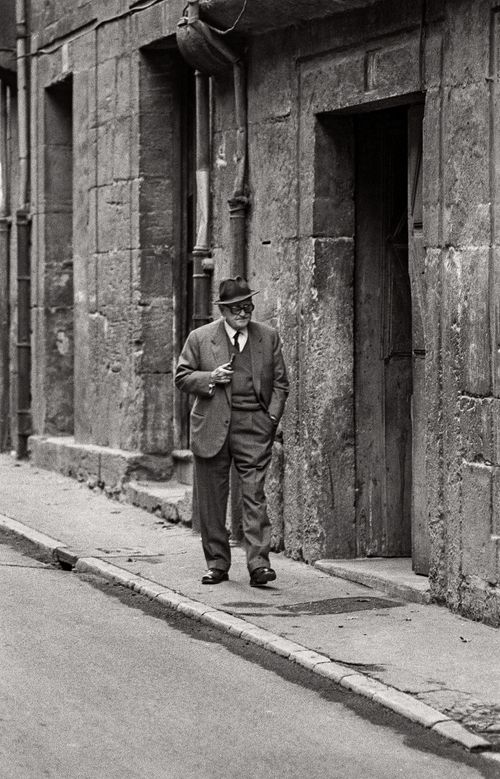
<point x="383" y="337"/>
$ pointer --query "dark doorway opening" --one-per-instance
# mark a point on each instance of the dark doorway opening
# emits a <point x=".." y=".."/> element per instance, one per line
<point x="383" y="351"/>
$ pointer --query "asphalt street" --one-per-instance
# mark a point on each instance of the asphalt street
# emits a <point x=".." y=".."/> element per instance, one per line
<point x="94" y="682"/>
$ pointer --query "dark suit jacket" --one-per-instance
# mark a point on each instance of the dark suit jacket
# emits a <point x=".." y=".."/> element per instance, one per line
<point x="206" y="348"/>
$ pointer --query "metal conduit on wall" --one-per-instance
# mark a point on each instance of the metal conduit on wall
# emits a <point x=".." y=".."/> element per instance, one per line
<point x="5" y="223"/>
<point x="23" y="242"/>
<point x="202" y="263"/>
<point x="205" y="51"/>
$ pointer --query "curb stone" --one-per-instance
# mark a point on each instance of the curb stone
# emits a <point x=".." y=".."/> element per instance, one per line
<point x="389" y="697"/>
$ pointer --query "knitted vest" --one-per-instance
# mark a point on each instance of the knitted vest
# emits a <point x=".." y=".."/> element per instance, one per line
<point x="243" y="392"/>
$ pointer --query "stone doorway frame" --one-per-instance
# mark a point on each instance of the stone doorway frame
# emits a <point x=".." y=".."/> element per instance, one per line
<point x="332" y="87"/>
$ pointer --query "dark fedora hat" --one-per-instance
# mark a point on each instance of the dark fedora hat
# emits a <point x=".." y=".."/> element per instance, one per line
<point x="234" y="290"/>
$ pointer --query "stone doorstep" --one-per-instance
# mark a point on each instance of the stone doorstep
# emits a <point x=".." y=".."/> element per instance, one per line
<point x="140" y="479"/>
<point x="99" y="465"/>
<point x="393" y="576"/>
<point x="169" y="500"/>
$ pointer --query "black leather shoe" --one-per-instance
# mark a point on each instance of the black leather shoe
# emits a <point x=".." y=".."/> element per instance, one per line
<point x="214" y="576"/>
<point x="261" y="576"/>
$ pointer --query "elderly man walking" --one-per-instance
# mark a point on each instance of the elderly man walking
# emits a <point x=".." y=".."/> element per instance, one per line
<point x="235" y="369"/>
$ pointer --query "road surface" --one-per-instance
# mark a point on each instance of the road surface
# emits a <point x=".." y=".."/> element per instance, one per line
<point x="95" y="682"/>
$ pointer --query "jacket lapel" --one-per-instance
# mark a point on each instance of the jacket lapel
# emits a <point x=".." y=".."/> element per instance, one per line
<point x="255" y="343"/>
<point x="220" y="351"/>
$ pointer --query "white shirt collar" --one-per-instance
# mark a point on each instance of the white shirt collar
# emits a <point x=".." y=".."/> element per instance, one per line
<point x="231" y="332"/>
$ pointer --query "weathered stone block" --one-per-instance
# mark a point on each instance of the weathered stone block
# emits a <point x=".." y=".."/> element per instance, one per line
<point x="467" y="50"/>
<point x="396" y="66"/>
<point x="495" y="418"/>
<point x="112" y="40"/>
<point x="433" y="62"/>
<point x="327" y="401"/>
<point x="59" y="284"/>
<point x="156" y="329"/>
<point x="57" y="228"/>
<point x="158" y="211"/>
<point x="432" y="180"/>
<point x="466" y="174"/>
<point x="156" y="435"/>
<point x="273" y="181"/>
<point x="113" y="216"/>
<point x="154" y="23"/>
<point x="113" y="152"/>
<point x="333" y="81"/>
<point x="106" y="91"/>
<point x="478" y="550"/>
<point x="480" y="601"/>
<point x="154" y="276"/>
<point x="113" y="269"/>
<point x="477" y="429"/>
<point x="474" y="321"/>
<point x="270" y="73"/>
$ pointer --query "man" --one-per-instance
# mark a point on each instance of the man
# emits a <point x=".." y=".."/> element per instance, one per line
<point x="235" y="369"/>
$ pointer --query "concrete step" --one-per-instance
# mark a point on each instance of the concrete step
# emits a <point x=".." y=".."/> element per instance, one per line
<point x="392" y="575"/>
<point x="170" y="500"/>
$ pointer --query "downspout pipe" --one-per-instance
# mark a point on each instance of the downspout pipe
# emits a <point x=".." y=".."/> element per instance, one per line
<point x="206" y="51"/>
<point x="23" y="241"/>
<point x="238" y="202"/>
<point x="202" y="261"/>
<point x="5" y="222"/>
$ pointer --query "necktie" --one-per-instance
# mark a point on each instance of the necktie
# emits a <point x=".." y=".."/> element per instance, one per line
<point x="235" y="339"/>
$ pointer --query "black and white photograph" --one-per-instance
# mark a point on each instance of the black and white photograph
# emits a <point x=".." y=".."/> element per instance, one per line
<point x="249" y="389"/>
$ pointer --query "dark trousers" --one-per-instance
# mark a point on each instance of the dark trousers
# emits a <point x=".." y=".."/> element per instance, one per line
<point x="249" y="446"/>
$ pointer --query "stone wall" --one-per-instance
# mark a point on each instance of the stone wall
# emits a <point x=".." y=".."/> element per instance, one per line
<point x="304" y="84"/>
<point x="356" y="61"/>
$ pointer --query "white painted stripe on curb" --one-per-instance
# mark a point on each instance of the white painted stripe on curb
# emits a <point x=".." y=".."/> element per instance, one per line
<point x="402" y="703"/>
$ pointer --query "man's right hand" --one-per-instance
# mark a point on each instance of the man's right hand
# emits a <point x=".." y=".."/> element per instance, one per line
<point x="222" y="374"/>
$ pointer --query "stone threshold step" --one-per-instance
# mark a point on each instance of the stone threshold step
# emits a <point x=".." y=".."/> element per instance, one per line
<point x="394" y="576"/>
<point x="169" y="500"/>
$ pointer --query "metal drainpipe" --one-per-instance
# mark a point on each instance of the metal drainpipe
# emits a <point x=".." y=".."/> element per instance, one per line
<point x="5" y="222"/>
<point x="238" y="202"/>
<point x="23" y="242"/>
<point x="202" y="262"/>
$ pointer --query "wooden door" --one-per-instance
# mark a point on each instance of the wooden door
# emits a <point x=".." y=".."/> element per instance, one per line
<point x="419" y="519"/>
<point x="383" y="337"/>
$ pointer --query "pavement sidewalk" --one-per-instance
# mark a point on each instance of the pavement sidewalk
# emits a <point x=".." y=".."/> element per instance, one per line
<point x="429" y="665"/>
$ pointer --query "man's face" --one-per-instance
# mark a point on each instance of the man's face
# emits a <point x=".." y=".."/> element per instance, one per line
<point x="236" y="316"/>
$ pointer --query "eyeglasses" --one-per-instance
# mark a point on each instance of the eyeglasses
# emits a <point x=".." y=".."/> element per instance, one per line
<point x="238" y="307"/>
